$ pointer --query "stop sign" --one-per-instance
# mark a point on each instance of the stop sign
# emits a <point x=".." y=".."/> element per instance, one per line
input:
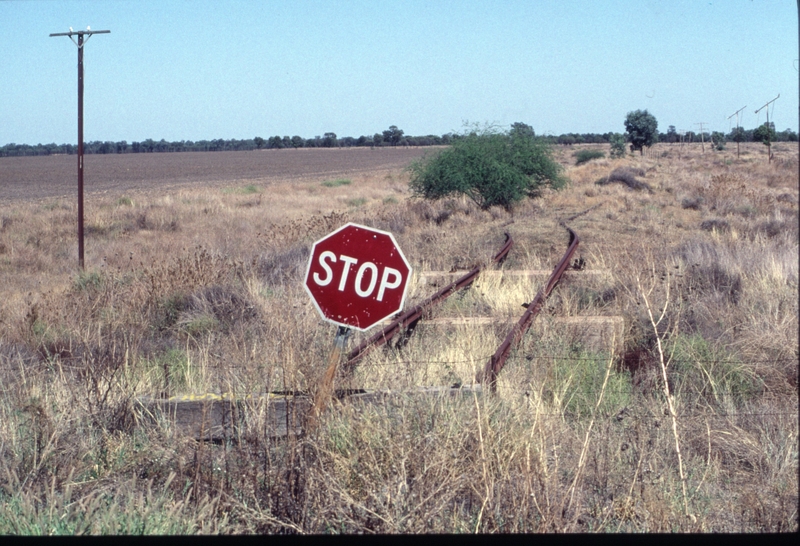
<point x="357" y="276"/>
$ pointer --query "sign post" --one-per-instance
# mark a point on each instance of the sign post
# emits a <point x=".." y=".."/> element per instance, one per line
<point x="356" y="276"/>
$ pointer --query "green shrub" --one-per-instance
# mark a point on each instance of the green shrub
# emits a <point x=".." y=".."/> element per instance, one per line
<point x="699" y="369"/>
<point x="583" y="156"/>
<point x="490" y="168"/>
<point x="357" y="202"/>
<point x="578" y="381"/>
<point x="617" y="146"/>
<point x="337" y="182"/>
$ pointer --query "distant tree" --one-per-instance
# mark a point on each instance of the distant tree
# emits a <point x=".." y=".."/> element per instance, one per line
<point x="298" y="141"/>
<point x="521" y="129"/>
<point x="377" y="139"/>
<point x="736" y="135"/>
<point x="566" y="140"/>
<point x="718" y="140"/>
<point x="393" y="135"/>
<point x="765" y="134"/>
<point x="329" y="140"/>
<point x="642" y="129"/>
<point x="287" y="141"/>
<point x="672" y="135"/>
<point x="275" y="142"/>
<point x="259" y="142"/>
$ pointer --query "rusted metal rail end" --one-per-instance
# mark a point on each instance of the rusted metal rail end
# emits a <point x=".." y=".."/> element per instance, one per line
<point x="498" y="360"/>
<point x="411" y="316"/>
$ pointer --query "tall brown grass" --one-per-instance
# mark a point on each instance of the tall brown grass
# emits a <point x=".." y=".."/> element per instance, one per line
<point x="200" y="291"/>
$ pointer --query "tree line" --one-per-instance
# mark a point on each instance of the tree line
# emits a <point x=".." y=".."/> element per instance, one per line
<point x="393" y="136"/>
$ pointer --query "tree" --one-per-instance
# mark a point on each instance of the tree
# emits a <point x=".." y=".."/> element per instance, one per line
<point x="393" y="135"/>
<point x="718" y="139"/>
<point x="259" y="142"/>
<point x="329" y="140"/>
<point x="617" y="145"/>
<point x="737" y="134"/>
<point x="522" y="129"/>
<point x="298" y="141"/>
<point x="672" y="135"/>
<point x="765" y="134"/>
<point x="642" y="129"/>
<point x="490" y="168"/>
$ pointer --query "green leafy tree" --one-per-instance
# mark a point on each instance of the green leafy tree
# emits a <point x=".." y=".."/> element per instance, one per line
<point x="737" y="134"/>
<point x="259" y="142"/>
<point x="393" y="135"/>
<point x="490" y="168"/>
<point x="617" y="145"/>
<point x="522" y="129"/>
<point x="642" y="129"/>
<point x="672" y="135"/>
<point x="765" y="134"/>
<point x="329" y="140"/>
<point x="718" y="139"/>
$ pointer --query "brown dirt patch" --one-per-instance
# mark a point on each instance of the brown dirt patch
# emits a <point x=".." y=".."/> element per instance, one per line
<point x="24" y="178"/>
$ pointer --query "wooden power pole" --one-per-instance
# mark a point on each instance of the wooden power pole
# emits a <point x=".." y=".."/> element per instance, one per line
<point x="80" y="43"/>
<point x="702" y="141"/>
<point x="738" y="137"/>
<point x="769" y="140"/>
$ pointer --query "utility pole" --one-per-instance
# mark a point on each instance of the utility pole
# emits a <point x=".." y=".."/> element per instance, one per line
<point x="80" y="43"/>
<point x="738" y="136"/>
<point x="702" y="141"/>
<point x="769" y="141"/>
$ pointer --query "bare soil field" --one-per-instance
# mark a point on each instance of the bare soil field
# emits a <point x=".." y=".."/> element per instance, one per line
<point x="23" y="178"/>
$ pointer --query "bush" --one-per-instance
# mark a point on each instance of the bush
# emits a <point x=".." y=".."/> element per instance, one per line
<point x="583" y="156"/>
<point x="489" y="168"/>
<point x="628" y="177"/>
<point x="617" y="146"/>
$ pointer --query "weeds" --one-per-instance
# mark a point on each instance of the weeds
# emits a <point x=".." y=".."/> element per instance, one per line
<point x="697" y="416"/>
<point x="336" y="183"/>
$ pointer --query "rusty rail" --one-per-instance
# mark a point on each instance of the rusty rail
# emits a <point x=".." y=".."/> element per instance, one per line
<point x="498" y="360"/>
<point x="409" y="318"/>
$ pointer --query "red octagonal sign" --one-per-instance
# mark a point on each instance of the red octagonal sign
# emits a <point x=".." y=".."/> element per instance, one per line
<point x="357" y="276"/>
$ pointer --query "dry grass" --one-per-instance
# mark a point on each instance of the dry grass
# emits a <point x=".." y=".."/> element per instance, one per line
<point x="199" y="290"/>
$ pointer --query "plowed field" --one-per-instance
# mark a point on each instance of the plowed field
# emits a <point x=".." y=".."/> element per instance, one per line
<point x="23" y="178"/>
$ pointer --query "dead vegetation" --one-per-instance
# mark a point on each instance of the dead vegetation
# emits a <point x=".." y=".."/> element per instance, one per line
<point x="199" y="290"/>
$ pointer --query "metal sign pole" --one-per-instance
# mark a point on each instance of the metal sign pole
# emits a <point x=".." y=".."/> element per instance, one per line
<point x="80" y="34"/>
<point x="325" y="389"/>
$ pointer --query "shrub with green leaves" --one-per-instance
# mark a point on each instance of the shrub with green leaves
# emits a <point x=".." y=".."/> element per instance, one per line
<point x="617" y="146"/>
<point x="490" y="168"/>
<point x="584" y="156"/>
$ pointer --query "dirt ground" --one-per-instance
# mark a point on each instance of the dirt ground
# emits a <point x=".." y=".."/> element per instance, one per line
<point x="47" y="177"/>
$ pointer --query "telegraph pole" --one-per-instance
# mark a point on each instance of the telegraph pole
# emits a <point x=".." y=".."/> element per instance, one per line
<point x="80" y="43"/>
<point x="738" y="136"/>
<point x="702" y="141"/>
<point x="769" y="141"/>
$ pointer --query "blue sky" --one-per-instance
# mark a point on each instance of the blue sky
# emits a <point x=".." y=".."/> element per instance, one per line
<point x="197" y="70"/>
